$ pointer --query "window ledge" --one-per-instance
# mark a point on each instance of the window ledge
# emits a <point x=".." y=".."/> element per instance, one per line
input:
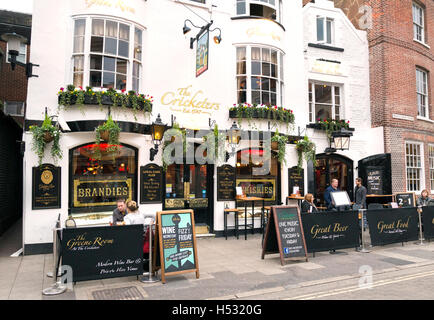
<point x="422" y="43"/>
<point x="425" y="119"/>
<point x="256" y="17"/>
<point x="326" y="47"/>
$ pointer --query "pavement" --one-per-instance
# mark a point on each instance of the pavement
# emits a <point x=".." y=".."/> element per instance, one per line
<point x="233" y="270"/>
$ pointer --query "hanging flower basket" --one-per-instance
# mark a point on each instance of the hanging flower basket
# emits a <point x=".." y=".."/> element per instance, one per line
<point x="48" y="137"/>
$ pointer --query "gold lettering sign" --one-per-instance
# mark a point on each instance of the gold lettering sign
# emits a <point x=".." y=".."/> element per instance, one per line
<point x="256" y="31"/>
<point x="327" y="67"/>
<point x="384" y="227"/>
<point x="187" y="101"/>
<point x="337" y="227"/>
<point x="118" y="4"/>
<point x="85" y="191"/>
<point x="81" y="241"/>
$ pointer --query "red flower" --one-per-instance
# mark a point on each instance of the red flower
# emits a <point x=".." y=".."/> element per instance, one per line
<point x="123" y="90"/>
<point x="348" y="121"/>
<point x="81" y="88"/>
<point x="61" y="89"/>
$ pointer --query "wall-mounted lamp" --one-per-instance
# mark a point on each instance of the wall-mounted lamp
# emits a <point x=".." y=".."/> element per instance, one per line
<point x="340" y="139"/>
<point x="234" y="137"/>
<point x="203" y="29"/>
<point x="157" y="131"/>
<point x="211" y="122"/>
<point x="14" y="42"/>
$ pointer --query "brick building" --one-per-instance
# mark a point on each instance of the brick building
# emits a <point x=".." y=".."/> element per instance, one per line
<point x="401" y="40"/>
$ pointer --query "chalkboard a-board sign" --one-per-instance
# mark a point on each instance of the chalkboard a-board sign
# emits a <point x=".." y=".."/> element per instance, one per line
<point x="103" y="252"/>
<point x="374" y="180"/>
<point x="46" y="187"/>
<point x="177" y="240"/>
<point x="151" y="183"/>
<point x="284" y="234"/>
<point x="226" y="183"/>
<point x="405" y="199"/>
<point x="296" y="179"/>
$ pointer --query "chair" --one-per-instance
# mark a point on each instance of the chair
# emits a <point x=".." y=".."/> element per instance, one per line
<point x="236" y="212"/>
<point x="375" y="206"/>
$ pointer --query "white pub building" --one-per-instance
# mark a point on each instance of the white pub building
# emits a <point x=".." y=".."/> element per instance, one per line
<point x="263" y="66"/>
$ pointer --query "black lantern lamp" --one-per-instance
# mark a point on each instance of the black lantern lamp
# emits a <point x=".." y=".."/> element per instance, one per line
<point x="14" y="42"/>
<point x="341" y="139"/>
<point x="203" y="29"/>
<point x="157" y="130"/>
<point x="234" y="137"/>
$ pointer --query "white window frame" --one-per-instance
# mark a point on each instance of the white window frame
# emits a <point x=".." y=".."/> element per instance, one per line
<point x="23" y="47"/>
<point x="414" y="167"/>
<point x="422" y="93"/>
<point x="325" y="32"/>
<point x="280" y="80"/>
<point x="431" y="166"/>
<point x="87" y="53"/>
<point x="7" y="103"/>
<point x="277" y="7"/>
<point x="312" y="103"/>
<point x="417" y="9"/>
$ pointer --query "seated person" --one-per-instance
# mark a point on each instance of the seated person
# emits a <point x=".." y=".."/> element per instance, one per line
<point x="307" y="206"/>
<point x="424" y="198"/>
<point x="119" y="213"/>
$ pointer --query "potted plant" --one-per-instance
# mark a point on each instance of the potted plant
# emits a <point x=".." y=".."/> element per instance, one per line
<point x="281" y="146"/>
<point x="43" y="135"/>
<point x="108" y="132"/>
<point x="305" y="148"/>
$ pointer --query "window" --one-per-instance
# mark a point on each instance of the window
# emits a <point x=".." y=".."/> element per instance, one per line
<point x="269" y="9"/>
<point x="109" y="57"/>
<point x="431" y="165"/>
<point x="260" y="76"/>
<point x="200" y="1"/>
<point x="422" y="93"/>
<point x="324" y="30"/>
<point x="100" y="177"/>
<point x="21" y="55"/>
<point x="413" y="157"/>
<point x="324" y="102"/>
<point x="418" y="23"/>
<point x="14" y="108"/>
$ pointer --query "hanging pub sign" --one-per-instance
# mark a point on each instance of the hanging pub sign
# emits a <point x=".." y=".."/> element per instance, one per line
<point x="331" y="230"/>
<point x="177" y="243"/>
<point x="284" y="234"/>
<point x="296" y="181"/>
<point x="226" y="183"/>
<point x="405" y="199"/>
<point x="428" y="221"/>
<point x="260" y="188"/>
<point x="393" y="225"/>
<point x="101" y="191"/>
<point x="151" y="183"/>
<point x="374" y="180"/>
<point x="103" y="252"/>
<point x="202" y="51"/>
<point x="46" y="187"/>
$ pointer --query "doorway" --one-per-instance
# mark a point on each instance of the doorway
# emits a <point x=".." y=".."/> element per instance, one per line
<point x="330" y="167"/>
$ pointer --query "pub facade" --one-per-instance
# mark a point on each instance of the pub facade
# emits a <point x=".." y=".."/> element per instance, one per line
<point x="194" y="67"/>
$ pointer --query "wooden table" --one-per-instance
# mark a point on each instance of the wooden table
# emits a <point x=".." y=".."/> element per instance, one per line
<point x="298" y="198"/>
<point x="253" y="199"/>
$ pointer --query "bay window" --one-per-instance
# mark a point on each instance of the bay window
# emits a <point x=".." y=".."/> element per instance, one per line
<point x="324" y="102"/>
<point x="260" y="75"/>
<point x="109" y="55"/>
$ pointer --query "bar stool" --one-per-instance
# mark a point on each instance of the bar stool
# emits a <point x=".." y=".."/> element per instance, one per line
<point x="236" y="212"/>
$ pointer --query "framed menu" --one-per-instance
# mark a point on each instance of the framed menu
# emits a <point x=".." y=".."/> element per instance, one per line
<point x="46" y="187"/>
<point x="226" y="183"/>
<point x="151" y="183"/>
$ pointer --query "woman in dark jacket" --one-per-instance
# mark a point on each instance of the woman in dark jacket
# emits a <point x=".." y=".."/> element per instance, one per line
<point x="307" y="206"/>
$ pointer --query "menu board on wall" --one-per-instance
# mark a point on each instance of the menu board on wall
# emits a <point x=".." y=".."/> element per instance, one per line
<point x="284" y="234"/>
<point x="151" y="183"/>
<point x="226" y="183"/>
<point x="103" y="252"/>
<point x="177" y="243"/>
<point x="374" y="180"/>
<point x="46" y="187"/>
<point x="296" y="179"/>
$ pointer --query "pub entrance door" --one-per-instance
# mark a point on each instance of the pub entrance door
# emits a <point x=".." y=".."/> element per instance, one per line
<point x="190" y="186"/>
<point x="330" y="167"/>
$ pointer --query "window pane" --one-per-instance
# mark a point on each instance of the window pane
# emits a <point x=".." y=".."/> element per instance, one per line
<point x="111" y="29"/>
<point x="79" y="27"/>
<point x="273" y="99"/>
<point x="136" y="70"/>
<point x="241" y="54"/>
<point x="241" y="67"/>
<point x="265" y="84"/>
<point x="256" y="83"/>
<point x="320" y="29"/>
<point x="124" y="32"/>
<point x="242" y="96"/>
<point x="241" y="7"/>
<point x="97" y="27"/>
<point x="109" y="64"/>
<point x="329" y="31"/>
<point x="323" y="112"/>
<point x="256" y="97"/>
<point x="95" y="79"/>
<point x="256" y="68"/>
<point x="256" y="54"/>
<point x="121" y="66"/>
<point x="121" y="81"/>
<point x="136" y="84"/>
<point x="110" y="45"/>
<point x="108" y="80"/>
<point x="78" y="79"/>
<point x="78" y="44"/>
<point x="273" y="85"/>
<point x="265" y="69"/>
<point x="241" y="83"/>
<point x="274" y="71"/>
<point x="123" y="48"/>
<point x="266" y="98"/>
<point x="323" y="93"/>
<point x="78" y="64"/>
<point x="138" y="44"/>
<point x="96" y="62"/>
<point x="266" y="55"/>
<point x="96" y="44"/>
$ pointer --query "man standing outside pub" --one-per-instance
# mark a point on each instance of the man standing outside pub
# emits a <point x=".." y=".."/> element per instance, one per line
<point x="120" y="212"/>
<point x="360" y="198"/>
<point x="333" y="187"/>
